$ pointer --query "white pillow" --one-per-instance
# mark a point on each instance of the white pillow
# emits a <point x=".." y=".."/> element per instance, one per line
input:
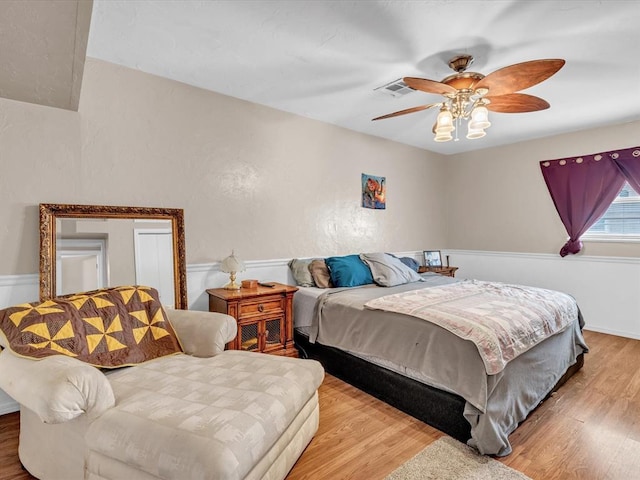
<point x="388" y="271"/>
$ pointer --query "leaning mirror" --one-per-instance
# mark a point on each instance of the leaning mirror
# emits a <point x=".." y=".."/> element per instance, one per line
<point x="86" y="247"/>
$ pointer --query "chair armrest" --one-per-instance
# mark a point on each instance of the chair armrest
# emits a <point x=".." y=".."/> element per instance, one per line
<point x="202" y="334"/>
<point x="56" y="388"/>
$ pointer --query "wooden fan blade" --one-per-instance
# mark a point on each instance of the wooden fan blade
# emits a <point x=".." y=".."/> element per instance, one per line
<point x="519" y="76"/>
<point x="516" y="103"/>
<point x="429" y="86"/>
<point x="408" y="110"/>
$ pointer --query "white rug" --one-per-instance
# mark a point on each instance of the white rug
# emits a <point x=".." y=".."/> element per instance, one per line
<point x="448" y="459"/>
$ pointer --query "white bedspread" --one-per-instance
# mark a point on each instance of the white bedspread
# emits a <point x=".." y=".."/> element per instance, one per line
<point x="502" y="320"/>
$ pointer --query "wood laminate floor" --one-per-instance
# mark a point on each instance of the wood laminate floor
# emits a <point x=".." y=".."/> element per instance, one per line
<point x="589" y="429"/>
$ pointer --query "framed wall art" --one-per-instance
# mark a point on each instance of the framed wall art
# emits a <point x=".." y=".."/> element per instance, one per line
<point x="374" y="192"/>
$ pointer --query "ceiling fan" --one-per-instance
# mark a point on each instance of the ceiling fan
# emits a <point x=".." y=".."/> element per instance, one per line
<point x="470" y="95"/>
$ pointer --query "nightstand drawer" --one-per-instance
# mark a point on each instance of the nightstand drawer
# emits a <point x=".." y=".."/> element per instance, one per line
<point x="263" y="306"/>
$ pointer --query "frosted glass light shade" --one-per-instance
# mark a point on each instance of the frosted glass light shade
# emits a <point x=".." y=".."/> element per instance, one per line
<point x="443" y="137"/>
<point x="479" y="119"/>
<point x="444" y="122"/>
<point x="474" y="133"/>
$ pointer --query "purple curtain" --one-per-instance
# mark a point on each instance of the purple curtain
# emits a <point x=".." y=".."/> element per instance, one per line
<point x="628" y="161"/>
<point x="582" y="188"/>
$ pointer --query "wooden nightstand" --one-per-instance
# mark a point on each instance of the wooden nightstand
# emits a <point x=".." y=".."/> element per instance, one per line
<point x="446" y="271"/>
<point x="264" y="316"/>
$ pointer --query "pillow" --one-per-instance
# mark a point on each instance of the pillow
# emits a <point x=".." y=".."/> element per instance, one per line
<point x="389" y="271"/>
<point x="301" y="273"/>
<point x="408" y="261"/>
<point x="412" y="263"/>
<point x="320" y="274"/>
<point x="348" y="271"/>
<point x="112" y="327"/>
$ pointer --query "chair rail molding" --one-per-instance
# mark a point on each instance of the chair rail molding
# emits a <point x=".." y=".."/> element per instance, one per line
<point x="606" y="288"/>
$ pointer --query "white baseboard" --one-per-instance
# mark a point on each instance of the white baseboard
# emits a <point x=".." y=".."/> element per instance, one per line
<point x="609" y="331"/>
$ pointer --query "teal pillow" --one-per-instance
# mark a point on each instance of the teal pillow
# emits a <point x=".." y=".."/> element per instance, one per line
<point x="348" y="271"/>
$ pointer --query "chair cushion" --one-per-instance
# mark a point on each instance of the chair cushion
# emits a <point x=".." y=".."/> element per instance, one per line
<point x="182" y="417"/>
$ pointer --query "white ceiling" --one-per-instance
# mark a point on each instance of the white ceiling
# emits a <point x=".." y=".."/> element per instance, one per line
<point x="323" y="59"/>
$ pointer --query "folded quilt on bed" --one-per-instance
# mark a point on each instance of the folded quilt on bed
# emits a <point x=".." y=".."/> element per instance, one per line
<point x="502" y="320"/>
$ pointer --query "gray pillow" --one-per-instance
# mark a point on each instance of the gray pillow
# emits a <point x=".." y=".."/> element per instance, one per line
<point x="389" y="271"/>
<point x="300" y="271"/>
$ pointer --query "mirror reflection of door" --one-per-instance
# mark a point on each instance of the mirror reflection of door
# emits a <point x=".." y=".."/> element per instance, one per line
<point x="80" y="265"/>
<point x="154" y="261"/>
<point x="115" y="226"/>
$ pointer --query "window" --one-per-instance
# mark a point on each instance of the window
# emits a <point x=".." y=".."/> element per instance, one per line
<point x="622" y="219"/>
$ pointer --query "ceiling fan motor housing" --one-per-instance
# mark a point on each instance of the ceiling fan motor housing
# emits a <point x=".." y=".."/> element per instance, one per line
<point x="463" y="81"/>
<point x="461" y="63"/>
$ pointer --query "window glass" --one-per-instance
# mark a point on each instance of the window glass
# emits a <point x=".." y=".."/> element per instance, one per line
<point x="622" y="217"/>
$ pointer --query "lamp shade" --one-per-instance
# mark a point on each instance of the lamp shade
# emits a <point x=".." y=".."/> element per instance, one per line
<point x="232" y="264"/>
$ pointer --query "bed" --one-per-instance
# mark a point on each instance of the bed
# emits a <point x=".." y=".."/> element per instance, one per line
<point x="425" y="369"/>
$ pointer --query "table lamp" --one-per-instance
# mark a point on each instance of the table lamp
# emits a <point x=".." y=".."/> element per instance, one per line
<point x="232" y="265"/>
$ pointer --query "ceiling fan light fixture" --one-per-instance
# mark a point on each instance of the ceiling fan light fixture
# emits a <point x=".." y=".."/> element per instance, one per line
<point x="479" y="118"/>
<point x="469" y="95"/>
<point x="444" y="122"/>
<point x="443" y="137"/>
<point x="474" y="133"/>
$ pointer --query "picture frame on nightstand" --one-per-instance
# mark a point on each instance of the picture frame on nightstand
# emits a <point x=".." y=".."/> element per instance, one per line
<point x="432" y="258"/>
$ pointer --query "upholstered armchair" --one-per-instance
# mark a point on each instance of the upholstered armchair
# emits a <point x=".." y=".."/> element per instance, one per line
<point x="203" y="413"/>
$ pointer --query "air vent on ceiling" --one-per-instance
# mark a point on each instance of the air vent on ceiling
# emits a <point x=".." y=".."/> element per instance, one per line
<point x="397" y="88"/>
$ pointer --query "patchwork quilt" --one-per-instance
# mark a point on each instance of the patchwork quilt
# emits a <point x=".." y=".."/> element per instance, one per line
<point x="109" y="328"/>
<point x="502" y="320"/>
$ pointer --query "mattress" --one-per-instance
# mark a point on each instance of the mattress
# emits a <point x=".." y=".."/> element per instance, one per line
<point x="304" y="304"/>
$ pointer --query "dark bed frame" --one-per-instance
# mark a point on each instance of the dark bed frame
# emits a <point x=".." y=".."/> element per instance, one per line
<point x="440" y="409"/>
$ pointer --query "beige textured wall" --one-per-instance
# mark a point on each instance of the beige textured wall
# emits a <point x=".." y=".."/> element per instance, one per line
<point x="265" y="182"/>
<point x="498" y="200"/>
